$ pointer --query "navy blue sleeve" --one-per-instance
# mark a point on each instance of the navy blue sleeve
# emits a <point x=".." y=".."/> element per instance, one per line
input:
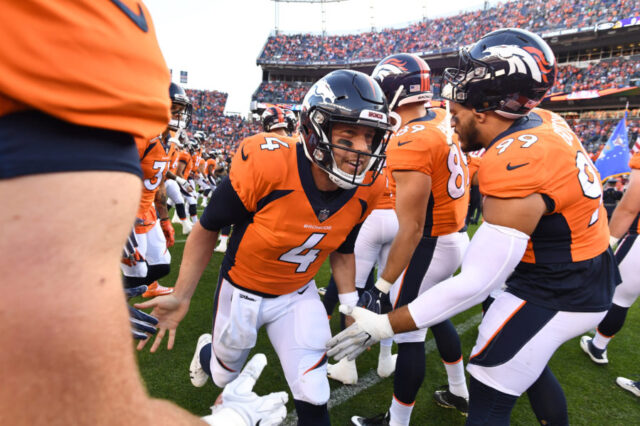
<point x="348" y="244"/>
<point x="224" y="208"/>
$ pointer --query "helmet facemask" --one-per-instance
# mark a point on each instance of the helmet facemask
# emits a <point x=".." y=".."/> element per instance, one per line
<point x="323" y="154"/>
<point x="180" y="114"/>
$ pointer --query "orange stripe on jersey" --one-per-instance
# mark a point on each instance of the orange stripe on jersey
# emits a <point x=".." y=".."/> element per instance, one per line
<point x="422" y="146"/>
<point x="498" y="330"/>
<point x="293" y="228"/>
<point x="114" y="75"/>
<point x="542" y="155"/>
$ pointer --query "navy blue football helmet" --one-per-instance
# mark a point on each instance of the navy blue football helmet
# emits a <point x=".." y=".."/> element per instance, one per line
<point x="404" y="78"/>
<point x="181" y="108"/>
<point x="350" y="97"/>
<point x="508" y="71"/>
<point x="273" y="118"/>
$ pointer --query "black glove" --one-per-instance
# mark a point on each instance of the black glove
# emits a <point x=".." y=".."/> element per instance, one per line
<point x="141" y="322"/>
<point x="375" y="301"/>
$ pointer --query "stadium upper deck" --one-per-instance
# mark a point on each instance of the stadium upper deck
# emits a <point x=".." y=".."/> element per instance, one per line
<point x="444" y="35"/>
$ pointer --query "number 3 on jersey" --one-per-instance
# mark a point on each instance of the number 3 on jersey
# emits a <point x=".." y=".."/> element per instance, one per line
<point x="297" y="256"/>
<point x="152" y="183"/>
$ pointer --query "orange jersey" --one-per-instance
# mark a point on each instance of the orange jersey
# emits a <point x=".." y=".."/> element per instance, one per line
<point x="184" y="156"/>
<point x="634" y="163"/>
<point x="294" y="226"/>
<point x="173" y="157"/>
<point x="92" y="63"/>
<point x="473" y="162"/>
<point x="540" y="154"/>
<point x="421" y="145"/>
<point x="388" y="198"/>
<point x="154" y="162"/>
<point x="210" y="166"/>
<point x="197" y="161"/>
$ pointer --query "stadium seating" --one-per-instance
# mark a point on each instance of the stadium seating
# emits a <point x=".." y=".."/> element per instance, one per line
<point x="445" y="33"/>
<point x="228" y="130"/>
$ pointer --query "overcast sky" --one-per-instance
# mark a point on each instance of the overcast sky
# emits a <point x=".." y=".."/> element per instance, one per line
<point x="218" y="41"/>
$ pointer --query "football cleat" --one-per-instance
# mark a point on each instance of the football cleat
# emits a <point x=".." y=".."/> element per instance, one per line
<point x="599" y="356"/>
<point x="630" y="385"/>
<point x="222" y="246"/>
<point x="175" y="218"/>
<point x="344" y="371"/>
<point x="186" y="226"/>
<point x="196" y="373"/>
<point x="322" y="291"/>
<point x="156" y="289"/>
<point x="379" y="420"/>
<point x="387" y="365"/>
<point x="446" y="399"/>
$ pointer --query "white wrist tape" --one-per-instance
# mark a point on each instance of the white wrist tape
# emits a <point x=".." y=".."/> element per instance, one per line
<point x="383" y="285"/>
<point x="613" y="241"/>
<point x="491" y="257"/>
<point x="350" y="299"/>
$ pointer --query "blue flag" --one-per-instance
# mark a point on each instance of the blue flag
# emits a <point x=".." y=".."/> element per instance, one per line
<point x="614" y="158"/>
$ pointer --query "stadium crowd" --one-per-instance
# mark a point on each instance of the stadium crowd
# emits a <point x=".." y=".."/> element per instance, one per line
<point x="208" y="116"/>
<point x="281" y="91"/>
<point x="447" y="32"/>
<point x="605" y="74"/>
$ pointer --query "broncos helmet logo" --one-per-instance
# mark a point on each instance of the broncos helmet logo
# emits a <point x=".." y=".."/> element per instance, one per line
<point x="390" y="67"/>
<point x="520" y="60"/>
<point x="321" y="90"/>
<point x="545" y="67"/>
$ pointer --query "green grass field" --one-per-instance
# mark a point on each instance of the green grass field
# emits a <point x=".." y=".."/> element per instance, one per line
<point x="592" y="395"/>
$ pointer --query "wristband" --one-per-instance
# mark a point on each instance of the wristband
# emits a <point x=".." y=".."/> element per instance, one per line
<point x="383" y="285"/>
<point x="350" y="299"/>
<point x="613" y="240"/>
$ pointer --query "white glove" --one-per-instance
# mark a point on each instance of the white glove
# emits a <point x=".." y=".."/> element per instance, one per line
<point x="183" y="184"/>
<point x="239" y="402"/>
<point x="369" y="328"/>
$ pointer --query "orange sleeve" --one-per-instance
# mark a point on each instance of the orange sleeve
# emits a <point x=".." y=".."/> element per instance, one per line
<point x="92" y="63"/>
<point x="634" y="163"/>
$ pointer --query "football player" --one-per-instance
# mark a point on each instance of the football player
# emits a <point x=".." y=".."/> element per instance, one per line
<point x="69" y="165"/>
<point x="544" y="232"/>
<point x="186" y="164"/>
<point x="292" y="206"/>
<point x="432" y="197"/>
<point x="625" y="225"/>
<point x="181" y="109"/>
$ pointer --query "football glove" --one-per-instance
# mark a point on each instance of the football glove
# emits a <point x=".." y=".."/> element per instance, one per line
<point x="168" y="231"/>
<point x="141" y="322"/>
<point x="183" y="184"/>
<point x="368" y="329"/>
<point x="375" y="301"/>
<point x="239" y="400"/>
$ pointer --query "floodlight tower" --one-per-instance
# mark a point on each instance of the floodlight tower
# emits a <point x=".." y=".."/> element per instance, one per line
<point x="322" y="7"/>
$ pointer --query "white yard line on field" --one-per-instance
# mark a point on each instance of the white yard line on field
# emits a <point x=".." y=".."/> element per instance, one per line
<point x="345" y="393"/>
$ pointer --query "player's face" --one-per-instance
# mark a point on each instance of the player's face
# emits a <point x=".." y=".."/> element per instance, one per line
<point x="464" y="125"/>
<point x="351" y="137"/>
